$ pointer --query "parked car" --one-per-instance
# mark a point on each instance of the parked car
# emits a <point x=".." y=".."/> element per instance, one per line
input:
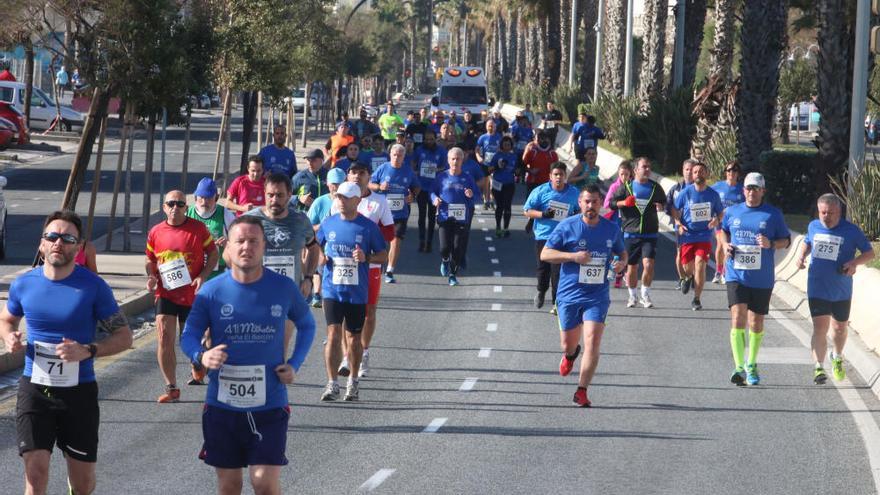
<point x="299" y="100"/>
<point x="43" y="110"/>
<point x="2" y="219"/>
<point x="8" y="133"/>
<point x="872" y="129"/>
<point x="11" y="114"/>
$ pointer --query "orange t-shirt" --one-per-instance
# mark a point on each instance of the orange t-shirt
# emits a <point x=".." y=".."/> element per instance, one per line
<point x="338" y="142"/>
<point x="189" y="241"/>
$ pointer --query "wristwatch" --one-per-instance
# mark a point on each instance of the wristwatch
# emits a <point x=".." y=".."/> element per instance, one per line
<point x="93" y="350"/>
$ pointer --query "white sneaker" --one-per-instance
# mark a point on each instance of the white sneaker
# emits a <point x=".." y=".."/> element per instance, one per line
<point x="631" y="303"/>
<point x="365" y="366"/>
<point x="331" y="392"/>
<point x="718" y="278"/>
<point x="351" y="392"/>
<point x="646" y="301"/>
<point x="344" y="369"/>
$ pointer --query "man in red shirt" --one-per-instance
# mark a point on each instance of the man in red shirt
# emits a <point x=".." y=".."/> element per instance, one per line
<point x="246" y="191"/>
<point x="180" y="256"/>
<point x="538" y="157"/>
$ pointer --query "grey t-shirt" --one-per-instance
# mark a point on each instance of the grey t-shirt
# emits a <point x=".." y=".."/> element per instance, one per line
<point x="285" y="240"/>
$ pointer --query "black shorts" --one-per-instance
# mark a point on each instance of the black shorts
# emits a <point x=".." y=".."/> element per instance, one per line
<point x="353" y="315"/>
<point x="839" y="310"/>
<point x="232" y="442"/>
<point x="66" y="416"/>
<point x="400" y="228"/>
<point x="757" y="300"/>
<point x="580" y="153"/>
<point x="638" y="248"/>
<point x="171" y="308"/>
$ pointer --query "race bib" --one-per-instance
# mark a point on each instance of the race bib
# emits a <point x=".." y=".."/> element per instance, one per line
<point x="395" y="201"/>
<point x="496" y="185"/>
<point x="377" y="161"/>
<point x="457" y="211"/>
<point x="521" y="144"/>
<point x="826" y="246"/>
<point x="417" y="138"/>
<point x="174" y="274"/>
<point x="593" y="272"/>
<point x="52" y="371"/>
<point x="747" y="258"/>
<point x="488" y="157"/>
<point x="282" y="265"/>
<point x="242" y="386"/>
<point x="701" y="212"/>
<point x="641" y="204"/>
<point x="428" y="170"/>
<point x="559" y="209"/>
<point x="549" y="125"/>
<point x="589" y="143"/>
<point x="345" y="271"/>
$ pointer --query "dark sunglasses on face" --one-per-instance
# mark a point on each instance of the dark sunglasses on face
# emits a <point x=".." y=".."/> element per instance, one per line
<point x="732" y="170"/>
<point x="51" y="237"/>
<point x="752" y="188"/>
<point x="172" y="204"/>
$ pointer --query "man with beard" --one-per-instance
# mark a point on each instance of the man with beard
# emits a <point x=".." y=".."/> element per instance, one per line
<point x="487" y="146"/>
<point x="278" y="158"/>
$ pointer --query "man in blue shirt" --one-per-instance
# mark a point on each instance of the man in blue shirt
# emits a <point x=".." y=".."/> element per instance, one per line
<point x="753" y="230"/>
<point x="487" y="145"/>
<point x="399" y="185"/>
<point x="671" y="196"/>
<point x="320" y="210"/>
<point x="697" y="212"/>
<point x="587" y="246"/>
<point x="584" y="135"/>
<point x="831" y="242"/>
<point x="246" y="309"/>
<point x="430" y="159"/>
<point x="549" y="204"/>
<point x="352" y="154"/>
<point x="278" y="158"/>
<point x="57" y="393"/>
<point x="453" y="195"/>
<point x="731" y="192"/>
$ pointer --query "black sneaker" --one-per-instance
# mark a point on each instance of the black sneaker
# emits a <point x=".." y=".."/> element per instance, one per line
<point x="686" y="285"/>
<point x="539" y="299"/>
<point x="428" y="247"/>
<point x="696" y="305"/>
<point x="421" y="247"/>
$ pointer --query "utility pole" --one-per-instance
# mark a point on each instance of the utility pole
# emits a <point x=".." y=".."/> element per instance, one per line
<point x="597" y="77"/>
<point x="678" y="56"/>
<point x="627" y="69"/>
<point x="572" y="47"/>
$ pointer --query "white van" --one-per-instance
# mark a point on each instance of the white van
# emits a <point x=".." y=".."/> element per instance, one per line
<point x="42" y="107"/>
<point x="462" y="88"/>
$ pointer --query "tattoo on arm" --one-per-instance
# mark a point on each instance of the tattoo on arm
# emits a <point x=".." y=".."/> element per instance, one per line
<point x="115" y="322"/>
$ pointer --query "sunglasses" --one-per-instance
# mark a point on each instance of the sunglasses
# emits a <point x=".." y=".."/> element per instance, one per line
<point x="172" y="204"/>
<point x="732" y="170"/>
<point x="752" y="188"/>
<point x="51" y="237"/>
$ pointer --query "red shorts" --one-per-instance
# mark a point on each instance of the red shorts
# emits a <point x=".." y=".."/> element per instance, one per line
<point x="375" y="277"/>
<point x="695" y="250"/>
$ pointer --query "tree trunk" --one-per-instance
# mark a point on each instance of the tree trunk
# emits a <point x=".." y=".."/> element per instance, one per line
<point x="148" y="173"/>
<point x="97" y="110"/>
<point x="614" y="51"/>
<point x="589" y="14"/>
<point x="28" y="79"/>
<point x="513" y="47"/>
<point x="117" y="179"/>
<point x="694" y="21"/>
<point x="564" y="38"/>
<point x="544" y="55"/>
<point x="503" y="58"/>
<point x="249" y="100"/>
<point x="429" y="41"/>
<point x="521" y="48"/>
<point x="306" y="109"/>
<point x="762" y="39"/>
<point x="654" y="47"/>
<point x="184" y="168"/>
<point x="227" y="102"/>
<point x="551" y="34"/>
<point x="96" y="179"/>
<point x="126" y="216"/>
<point x="721" y="61"/>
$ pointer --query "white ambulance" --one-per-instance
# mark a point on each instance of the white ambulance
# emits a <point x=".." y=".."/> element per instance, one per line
<point x="462" y="88"/>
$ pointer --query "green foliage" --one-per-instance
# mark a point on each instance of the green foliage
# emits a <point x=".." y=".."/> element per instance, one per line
<point x="863" y="203"/>
<point x="788" y="175"/>
<point x="615" y="114"/>
<point x="527" y="93"/>
<point x="568" y="100"/>
<point x="797" y="82"/>
<point x="874" y="89"/>
<point x="665" y="132"/>
<point x="720" y="152"/>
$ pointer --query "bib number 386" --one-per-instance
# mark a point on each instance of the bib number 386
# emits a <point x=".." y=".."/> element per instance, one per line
<point x="242" y="386"/>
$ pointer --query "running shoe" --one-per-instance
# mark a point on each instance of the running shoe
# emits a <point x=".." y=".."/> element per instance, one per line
<point x="422" y="246"/>
<point x="718" y="278"/>
<point x="486" y="206"/>
<point x="344" y="370"/>
<point x="696" y="305"/>
<point x="686" y="284"/>
<point x="316" y="301"/>
<point x="618" y="281"/>
<point x="453" y="281"/>
<point x="365" y="366"/>
<point x="646" y="301"/>
<point x="172" y="394"/>
<point x="837" y="368"/>
<point x="631" y="302"/>
<point x="428" y="247"/>
<point x="351" y="392"/>
<point x="567" y="363"/>
<point x="580" y="398"/>
<point x="553" y="310"/>
<point x="678" y="284"/>
<point x="444" y="268"/>
<point x="538" y="300"/>
<point x="331" y="392"/>
<point x="389" y="278"/>
<point x="198" y="373"/>
<point x="752" y="376"/>
<point x="506" y="233"/>
<point x="738" y="377"/>
<point x="819" y="376"/>
<point x="499" y="233"/>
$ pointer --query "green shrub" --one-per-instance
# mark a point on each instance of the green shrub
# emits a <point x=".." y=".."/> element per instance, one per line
<point x="788" y="175"/>
<point x="720" y="152"/>
<point x="863" y="202"/>
<point x="665" y="132"/>
<point x="568" y="100"/>
<point x="615" y="114"/>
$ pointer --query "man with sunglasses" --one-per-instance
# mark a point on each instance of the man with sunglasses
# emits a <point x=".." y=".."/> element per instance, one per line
<point x="181" y="254"/>
<point x="57" y="394"/>
<point x="731" y="191"/>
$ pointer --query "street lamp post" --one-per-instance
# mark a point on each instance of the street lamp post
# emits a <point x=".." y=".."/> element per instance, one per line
<point x="859" y="92"/>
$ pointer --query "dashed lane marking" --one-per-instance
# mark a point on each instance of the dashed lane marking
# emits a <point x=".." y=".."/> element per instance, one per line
<point x="435" y="425"/>
<point x="496" y="306"/>
<point x="484" y="352"/>
<point x="497" y="288"/>
<point x="494" y="261"/>
<point x="491" y="327"/>
<point x="496" y="274"/>
<point x="491" y="249"/>
<point x="376" y="480"/>
<point x="467" y="385"/>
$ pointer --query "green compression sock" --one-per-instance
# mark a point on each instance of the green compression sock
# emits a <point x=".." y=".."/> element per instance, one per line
<point x="738" y="346"/>
<point x="755" y="340"/>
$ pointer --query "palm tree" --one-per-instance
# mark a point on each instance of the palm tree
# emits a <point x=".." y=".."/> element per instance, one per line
<point x="654" y="24"/>
<point x="614" y="51"/>
<point x="712" y="114"/>
<point x="564" y="37"/>
<point x="694" y="21"/>
<point x="762" y="39"/>
<point x="589" y="13"/>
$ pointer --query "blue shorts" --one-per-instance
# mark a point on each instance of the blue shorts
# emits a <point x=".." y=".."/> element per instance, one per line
<point x="231" y="443"/>
<point x="574" y="313"/>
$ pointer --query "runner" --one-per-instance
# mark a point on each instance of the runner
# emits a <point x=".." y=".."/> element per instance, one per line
<point x="538" y="158"/>
<point x="487" y="145"/>
<point x="831" y="242"/>
<point x="215" y="217"/>
<point x="416" y="129"/>
<point x="310" y="183"/>
<point x="378" y="156"/>
<point x="586" y="171"/>
<point x="278" y="158"/>
<point x="454" y="195"/>
<point x="57" y="401"/>
<point x="351" y="243"/>
<point x="180" y="256"/>
<point x="430" y="159"/>
<point x="338" y="141"/>
<point x="731" y="192"/>
<point x="624" y="176"/>
<point x="584" y="135"/>
<point x="502" y="167"/>
<point x="352" y="155"/>
<point x="389" y="123"/>
<point x="697" y="212"/>
<point x="638" y="202"/>
<point x="246" y="191"/>
<point x="320" y="210"/>
<point x="399" y="185"/>
<point x="753" y="230"/>
<point x="523" y="135"/>
<point x="245" y="417"/>
<point x="547" y="205"/>
<point x="549" y="121"/>
<point x="671" y="196"/>
<point x="584" y="246"/>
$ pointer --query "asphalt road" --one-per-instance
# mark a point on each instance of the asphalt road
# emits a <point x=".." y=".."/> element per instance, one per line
<point x="665" y="419"/>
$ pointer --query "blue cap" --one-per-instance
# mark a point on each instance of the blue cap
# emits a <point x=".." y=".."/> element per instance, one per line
<point x="207" y="188"/>
<point x="335" y="176"/>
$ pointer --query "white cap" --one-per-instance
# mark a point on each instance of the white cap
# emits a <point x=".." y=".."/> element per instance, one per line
<point x="754" y="179"/>
<point x="349" y="190"/>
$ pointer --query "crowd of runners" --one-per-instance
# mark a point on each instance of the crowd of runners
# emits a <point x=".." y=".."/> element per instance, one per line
<point x="237" y="278"/>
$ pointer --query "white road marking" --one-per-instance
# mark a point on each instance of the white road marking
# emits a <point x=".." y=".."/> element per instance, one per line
<point x="497" y="288"/>
<point x="849" y="393"/>
<point x="376" y="480"/>
<point x="14" y="205"/>
<point x="435" y="425"/>
<point x="494" y="261"/>
<point x="496" y="306"/>
<point x="59" y="192"/>
<point x="481" y="220"/>
<point x="485" y="229"/>
<point x="491" y="249"/>
<point x="491" y="327"/>
<point x="785" y="355"/>
<point x="496" y="274"/>
<point x="488" y="238"/>
<point x="484" y="352"/>
<point x="467" y="385"/>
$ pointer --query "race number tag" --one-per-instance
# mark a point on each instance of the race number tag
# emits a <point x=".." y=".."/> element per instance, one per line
<point x="377" y="161"/>
<point x="641" y="204"/>
<point x="174" y="274"/>
<point x="589" y="143"/>
<point x="521" y="144"/>
<point x="488" y="157"/>
<point x="428" y="170"/>
<point x="395" y="201"/>
<point x="345" y="271"/>
<point x="496" y="185"/>
<point x="549" y="125"/>
<point x="52" y="371"/>
<point x="242" y="386"/>
<point x="747" y="258"/>
<point x="417" y="138"/>
<point x="701" y="212"/>
<point x="457" y="211"/>
<point x="826" y="246"/>
<point x="593" y="272"/>
<point x="282" y="265"/>
<point x="559" y="209"/>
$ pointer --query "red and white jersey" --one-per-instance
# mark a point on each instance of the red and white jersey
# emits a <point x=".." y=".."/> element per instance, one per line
<point x="375" y="207"/>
